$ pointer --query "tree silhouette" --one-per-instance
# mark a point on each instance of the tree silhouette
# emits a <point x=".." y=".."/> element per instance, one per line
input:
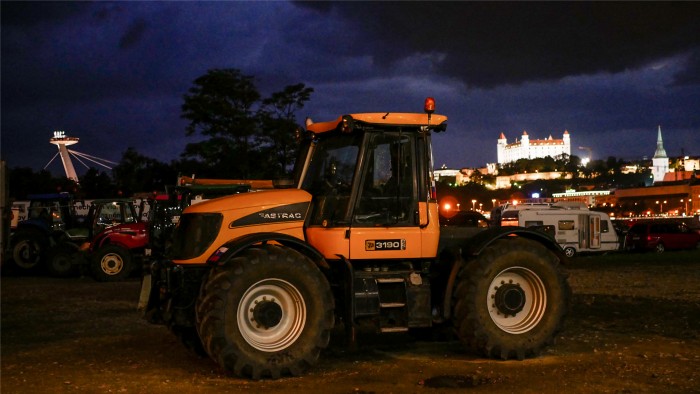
<point x="246" y="137"/>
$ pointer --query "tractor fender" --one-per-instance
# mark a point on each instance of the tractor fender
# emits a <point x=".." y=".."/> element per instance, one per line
<point x="234" y="247"/>
<point x="35" y="225"/>
<point x="476" y="244"/>
<point x="473" y="247"/>
<point x="116" y="241"/>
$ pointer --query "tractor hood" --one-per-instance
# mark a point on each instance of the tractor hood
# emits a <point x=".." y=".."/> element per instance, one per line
<point x="255" y="208"/>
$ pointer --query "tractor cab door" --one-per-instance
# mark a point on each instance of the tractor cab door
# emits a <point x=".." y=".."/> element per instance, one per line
<point x="385" y="221"/>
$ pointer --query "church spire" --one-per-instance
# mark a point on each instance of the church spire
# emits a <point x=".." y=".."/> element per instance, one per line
<point x="660" y="151"/>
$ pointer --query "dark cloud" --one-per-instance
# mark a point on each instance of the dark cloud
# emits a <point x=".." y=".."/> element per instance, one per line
<point x="113" y="73"/>
<point x="493" y="43"/>
<point x="134" y="33"/>
<point x="691" y="73"/>
<point x="32" y="13"/>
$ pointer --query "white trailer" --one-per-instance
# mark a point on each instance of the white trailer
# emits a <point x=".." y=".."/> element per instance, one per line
<point x="575" y="230"/>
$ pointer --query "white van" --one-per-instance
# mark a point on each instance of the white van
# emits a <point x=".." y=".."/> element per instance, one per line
<point x="575" y="230"/>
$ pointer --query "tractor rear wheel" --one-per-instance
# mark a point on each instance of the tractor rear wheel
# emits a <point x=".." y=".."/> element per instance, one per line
<point x="28" y="250"/>
<point x="267" y="313"/>
<point x="511" y="301"/>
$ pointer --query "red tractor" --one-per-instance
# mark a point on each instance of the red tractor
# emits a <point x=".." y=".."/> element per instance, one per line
<point x="119" y="250"/>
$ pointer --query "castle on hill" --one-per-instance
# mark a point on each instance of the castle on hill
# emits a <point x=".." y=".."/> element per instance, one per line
<point x="532" y="149"/>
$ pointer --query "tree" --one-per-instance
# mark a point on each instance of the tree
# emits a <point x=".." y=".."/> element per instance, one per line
<point x="23" y="181"/>
<point x="138" y="173"/>
<point x="96" y="184"/>
<point x="246" y="137"/>
<point x="279" y="126"/>
<point x="220" y="106"/>
<point x="476" y="177"/>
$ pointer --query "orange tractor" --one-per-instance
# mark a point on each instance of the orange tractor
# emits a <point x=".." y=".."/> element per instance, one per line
<point x="258" y="280"/>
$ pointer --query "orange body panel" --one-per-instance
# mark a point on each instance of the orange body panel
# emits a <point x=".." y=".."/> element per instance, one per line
<point x="416" y="242"/>
<point x="331" y="242"/>
<point x="431" y="232"/>
<point x="371" y="243"/>
<point x="251" y="205"/>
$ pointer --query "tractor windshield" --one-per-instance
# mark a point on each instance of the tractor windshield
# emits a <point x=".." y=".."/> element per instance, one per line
<point x="332" y="164"/>
<point x="329" y="175"/>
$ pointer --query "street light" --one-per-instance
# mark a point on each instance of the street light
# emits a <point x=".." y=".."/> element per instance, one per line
<point x="661" y="206"/>
<point x="590" y="154"/>
<point x="473" y="205"/>
<point x="493" y="201"/>
<point x="481" y="209"/>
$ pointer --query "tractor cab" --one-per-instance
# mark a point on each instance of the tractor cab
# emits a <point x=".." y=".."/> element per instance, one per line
<point x="370" y="178"/>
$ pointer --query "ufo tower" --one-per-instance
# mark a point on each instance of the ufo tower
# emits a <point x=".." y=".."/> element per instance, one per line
<point x="61" y="141"/>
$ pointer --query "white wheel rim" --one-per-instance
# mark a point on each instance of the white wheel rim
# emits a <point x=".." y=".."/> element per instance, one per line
<point x="535" y="302"/>
<point x="280" y="295"/>
<point x="111" y="264"/>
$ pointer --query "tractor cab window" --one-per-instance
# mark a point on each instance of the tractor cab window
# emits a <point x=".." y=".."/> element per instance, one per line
<point x="387" y="194"/>
<point x="329" y="177"/>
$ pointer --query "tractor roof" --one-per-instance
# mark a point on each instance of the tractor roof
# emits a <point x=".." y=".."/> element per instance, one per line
<point x="381" y="118"/>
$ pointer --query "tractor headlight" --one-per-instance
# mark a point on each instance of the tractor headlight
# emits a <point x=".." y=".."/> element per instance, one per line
<point x="194" y="234"/>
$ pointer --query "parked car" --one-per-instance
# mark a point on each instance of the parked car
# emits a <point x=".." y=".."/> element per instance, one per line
<point x="464" y="219"/>
<point x="456" y="225"/>
<point x="660" y="236"/>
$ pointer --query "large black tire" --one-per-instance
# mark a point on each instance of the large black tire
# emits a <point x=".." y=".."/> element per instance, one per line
<point x="28" y="250"/>
<point x="62" y="261"/>
<point x="111" y="263"/>
<point x="267" y="313"/>
<point x="511" y="301"/>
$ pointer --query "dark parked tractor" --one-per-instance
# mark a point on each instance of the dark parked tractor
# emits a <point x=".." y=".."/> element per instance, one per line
<point x="67" y="255"/>
<point x="50" y="218"/>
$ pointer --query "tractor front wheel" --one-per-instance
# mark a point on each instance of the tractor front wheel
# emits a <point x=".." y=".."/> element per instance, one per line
<point x="267" y="313"/>
<point x="62" y="260"/>
<point x="111" y="263"/>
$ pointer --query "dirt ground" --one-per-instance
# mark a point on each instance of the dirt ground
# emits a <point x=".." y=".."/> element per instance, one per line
<point x="634" y="327"/>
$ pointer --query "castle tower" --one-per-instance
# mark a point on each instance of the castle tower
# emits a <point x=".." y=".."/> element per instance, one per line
<point x="525" y="146"/>
<point x="660" y="160"/>
<point x="61" y="141"/>
<point x="567" y="143"/>
<point x="501" y="149"/>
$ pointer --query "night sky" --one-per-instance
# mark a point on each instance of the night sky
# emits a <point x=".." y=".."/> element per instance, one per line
<point x="114" y="74"/>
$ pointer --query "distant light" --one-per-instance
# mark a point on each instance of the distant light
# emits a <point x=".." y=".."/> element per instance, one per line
<point x="535" y="195"/>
